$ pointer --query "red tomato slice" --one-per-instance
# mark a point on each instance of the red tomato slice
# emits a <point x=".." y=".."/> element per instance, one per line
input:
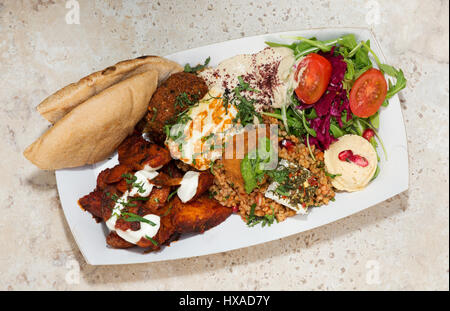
<point x="313" y="75"/>
<point x="368" y="93"/>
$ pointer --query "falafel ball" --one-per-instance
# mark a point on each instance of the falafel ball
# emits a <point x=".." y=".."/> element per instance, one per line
<point x="171" y="98"/>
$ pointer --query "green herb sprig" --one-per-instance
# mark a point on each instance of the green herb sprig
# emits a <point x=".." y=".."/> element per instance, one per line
<point x="245" y="106"/>
<point x="130" y="217"/>
<point x="188" y="68"/>
<point x="266" y="220"/>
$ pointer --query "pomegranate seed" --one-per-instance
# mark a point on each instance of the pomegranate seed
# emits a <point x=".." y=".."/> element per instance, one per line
<point x="313" y="181"/>
<point x="345" y="155"/>
<point x="359" y="160"/>
<point x="368" y="134"/>
<point x="235" y="209"/>
<point x="288" y="144"/>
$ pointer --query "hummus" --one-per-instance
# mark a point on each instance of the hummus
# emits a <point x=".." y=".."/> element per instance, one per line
<point x="352" y="176"/>
<point x="269" y="71"/>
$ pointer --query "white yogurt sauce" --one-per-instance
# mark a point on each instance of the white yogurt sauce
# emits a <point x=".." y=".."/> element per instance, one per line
<point x="144" y="190"/>
<point x="188" y="187"/>
<point x="146" y="230"/>
<point x="142" y="178"/>
<point x="148" y="168"/>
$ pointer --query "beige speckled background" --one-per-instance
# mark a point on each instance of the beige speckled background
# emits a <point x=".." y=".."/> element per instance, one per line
<point x="407" y="237"/>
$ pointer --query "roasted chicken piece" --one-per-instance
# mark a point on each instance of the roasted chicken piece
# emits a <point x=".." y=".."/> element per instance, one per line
<point x="116" y="173"/>
<point x="172" y="170"/>
<point x="205" y="180"/>
<point x="137" y="153"/>
<point x="93" y="204"/>
<point x="199" y="215"/>
<point x="193" y="217"/>
<point x="166" y="232"/>
<point x="165" y="180"/>
<point x="116" y="241"/>
<point x="158" y="198"/>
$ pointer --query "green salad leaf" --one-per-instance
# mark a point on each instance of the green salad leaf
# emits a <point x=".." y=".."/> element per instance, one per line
<point x="253" y="166"/>
<point x="399" y="85"/>
<point x="188" y="68"/>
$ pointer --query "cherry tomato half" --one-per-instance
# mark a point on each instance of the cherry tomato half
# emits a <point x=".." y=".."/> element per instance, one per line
<point x="368" y="93"/>
<point x="313" y="76"/>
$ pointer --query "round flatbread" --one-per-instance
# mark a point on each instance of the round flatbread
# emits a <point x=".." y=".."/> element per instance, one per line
<point x="63" y="101"/>
<point x="94" y="129"/>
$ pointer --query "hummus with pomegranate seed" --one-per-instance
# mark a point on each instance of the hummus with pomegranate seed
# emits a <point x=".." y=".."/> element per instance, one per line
<point x="350" y="175"/>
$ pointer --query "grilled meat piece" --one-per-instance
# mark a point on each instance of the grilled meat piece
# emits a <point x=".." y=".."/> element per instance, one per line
<point x="116" y="241"/>
<point x="199" y="215"/>
<point x="136" y="152"/>
<point x="93" y="204"/>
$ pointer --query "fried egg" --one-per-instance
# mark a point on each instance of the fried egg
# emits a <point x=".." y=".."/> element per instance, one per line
<point x="201" y="138"/>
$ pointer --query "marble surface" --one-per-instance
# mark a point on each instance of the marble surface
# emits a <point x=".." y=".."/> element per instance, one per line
<point x="400" y="244"/>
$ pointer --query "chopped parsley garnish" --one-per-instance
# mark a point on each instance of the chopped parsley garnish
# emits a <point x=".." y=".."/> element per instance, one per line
<point x="171" y="195"/>
<point x="129" y="178"/>
<point x="168" y="210"/>
<point x="117" y="200"/>
<point x="175" y="128"/>
<point x="212" y="194"/>
<point x="211" y="164"/>
<point x="208" y="137"/>
<point x="139" y="199"/>
<point x="253" y="220"/>
<point x="140" y="187"/>
<point x="130" y="217"/>
<point x="226" y="100"/>
<point x="245" y="106"/>
<point x="151" y="240"/>
<point x="332" y="176"/>
<point x="183" y="100"/>
<point x="155" y="111"/>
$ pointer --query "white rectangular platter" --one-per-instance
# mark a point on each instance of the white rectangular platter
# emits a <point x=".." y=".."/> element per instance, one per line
<point x="233" y="233"/>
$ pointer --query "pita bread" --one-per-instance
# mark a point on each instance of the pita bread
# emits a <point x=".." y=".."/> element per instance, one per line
<point x="63" y="101"/>
<point x="94" y="129"/>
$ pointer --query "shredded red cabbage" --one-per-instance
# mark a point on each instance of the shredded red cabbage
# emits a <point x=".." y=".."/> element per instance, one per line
<point x="333" y="103"/>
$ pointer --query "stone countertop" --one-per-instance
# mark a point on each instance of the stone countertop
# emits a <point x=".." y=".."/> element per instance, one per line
<point x="400" y="244"/>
